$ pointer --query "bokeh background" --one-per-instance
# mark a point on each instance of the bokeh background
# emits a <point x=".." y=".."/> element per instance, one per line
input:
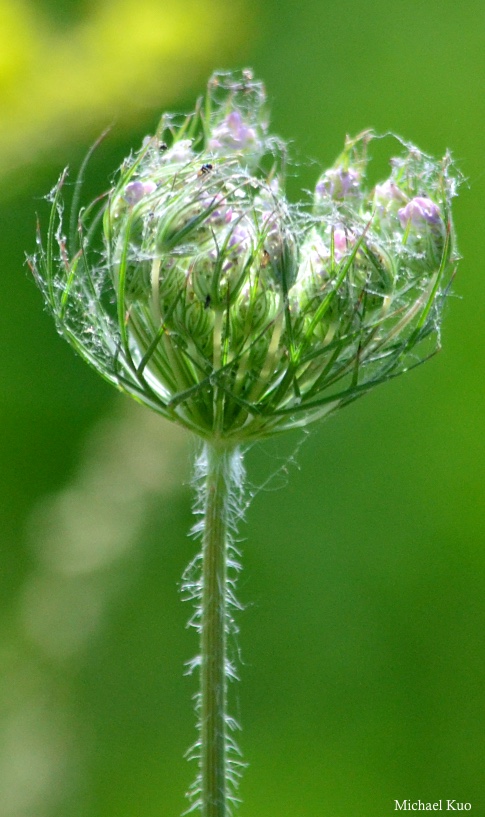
<point x="364" y="562"/>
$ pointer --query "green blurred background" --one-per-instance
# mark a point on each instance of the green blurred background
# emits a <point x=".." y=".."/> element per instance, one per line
<point x="362" y="639"/>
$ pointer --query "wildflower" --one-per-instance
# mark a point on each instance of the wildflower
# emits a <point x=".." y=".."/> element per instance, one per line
<point x="238" y="314"/>
<point x="196" y="287"/>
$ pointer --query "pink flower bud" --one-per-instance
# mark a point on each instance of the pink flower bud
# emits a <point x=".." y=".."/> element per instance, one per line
<point x="341" y="241"/>
<point x="388" y="193"/>
<point x="420" y="211"/>
<point x="240" y="239"/>
<point x="338" y="183"/>
<point x="220" y="211"/>
<point x="232" y="134"/>
<point x="135" y="191"/>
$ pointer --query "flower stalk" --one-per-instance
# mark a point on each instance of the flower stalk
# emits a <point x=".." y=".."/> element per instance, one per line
<point x="213" y="682"/>
<point x="210" y="581"/>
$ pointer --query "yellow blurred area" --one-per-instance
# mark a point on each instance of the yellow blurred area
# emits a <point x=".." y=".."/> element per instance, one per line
<point x="60" y="82"/>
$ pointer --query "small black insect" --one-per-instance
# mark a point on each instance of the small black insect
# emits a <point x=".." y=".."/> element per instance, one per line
<point x="162" y="147"/>
<point x="205" y="169"/>
<point x="207" y="301"/>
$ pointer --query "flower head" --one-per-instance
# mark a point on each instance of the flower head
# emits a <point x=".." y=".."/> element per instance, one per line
<point x="195" y="286"/>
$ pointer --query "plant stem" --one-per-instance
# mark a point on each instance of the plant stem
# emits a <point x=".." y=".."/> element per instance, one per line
<point x="221" y="473"/>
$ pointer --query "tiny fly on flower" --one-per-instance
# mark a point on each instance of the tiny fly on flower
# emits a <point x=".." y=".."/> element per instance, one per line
<point x="205" y="169"/>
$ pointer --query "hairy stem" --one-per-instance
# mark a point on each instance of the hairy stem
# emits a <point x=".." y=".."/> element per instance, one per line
<point x="220" y="477"/>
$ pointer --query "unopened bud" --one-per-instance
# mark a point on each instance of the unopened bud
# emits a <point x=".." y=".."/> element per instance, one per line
<point x="419" y="212"/>
<point x="232" y="135"/>
<point x="135" y="191"/>
<point x="338" y="183"/>
<point x="232" y="312"/>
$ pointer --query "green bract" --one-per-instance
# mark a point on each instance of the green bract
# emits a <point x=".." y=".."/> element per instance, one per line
<point x="196" y="287"/>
